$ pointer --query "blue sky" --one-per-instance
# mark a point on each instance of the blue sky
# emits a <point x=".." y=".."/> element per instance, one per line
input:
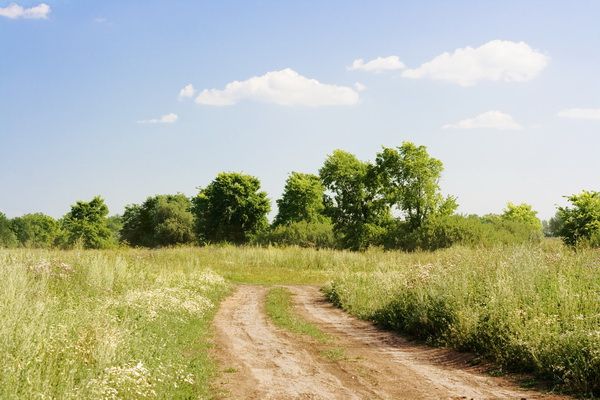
<point x="89" y="91"/>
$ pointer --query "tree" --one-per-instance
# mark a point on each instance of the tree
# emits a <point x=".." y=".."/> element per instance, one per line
<point x="35" y="230"/>
<point x="302" y="200"/>
<point x="87" y="225"/>
<point x="409" y="180"/>
<point x="7" y="236"/>
<point x="231" y="208"/>
<point x="553" y="226"/>
<point x="357" y="212"/>
<point x="522" y="213"/>
<point x="581" y="222"/>
<point x="161" y="220"/>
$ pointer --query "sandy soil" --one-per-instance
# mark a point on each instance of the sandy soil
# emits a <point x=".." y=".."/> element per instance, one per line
<point x="260" y="361"/>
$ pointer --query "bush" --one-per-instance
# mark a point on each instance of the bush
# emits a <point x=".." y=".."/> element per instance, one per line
<point x="581" y="222"/>
<point x="474" y="231"/>
<point x="302" y="233"/>
<point x="7" y="236"/>
<point x="36" y="230"/>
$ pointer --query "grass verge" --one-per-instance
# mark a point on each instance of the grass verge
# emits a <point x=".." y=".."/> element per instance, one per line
<point x="279" y="308"/>
<point x="101" y="325"/>
<point x="528" y="309"/>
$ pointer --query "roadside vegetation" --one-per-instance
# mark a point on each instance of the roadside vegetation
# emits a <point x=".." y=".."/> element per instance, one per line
<point x="104" y="325"/>
<point x="279" y="308"/>
<point x="97" y="306"/>
<point x="526" y="308"/>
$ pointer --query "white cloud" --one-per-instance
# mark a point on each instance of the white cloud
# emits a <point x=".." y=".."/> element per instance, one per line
<point x="285" y="87"/>
<point x="14" y="11"/>
<point x="487" y="120"/>
<point x="165" y="119"/>
<point x="188" y="91"/>
<point x="580" y="113"/>
<point x="359" y="87"/>
<point x="498" y="60"/>
<point x="379" y="64"/>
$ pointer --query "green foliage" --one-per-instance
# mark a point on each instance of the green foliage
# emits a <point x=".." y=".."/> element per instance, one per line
<point x="302" y="200"/>
<point x="526" y="308"/>
<point x="522" y="213"/>
<point x="581" y="222"/>
<point x="553" y="226"/>
<point x="353" y="203"/>
<point x="109" y="324"/>
<point x="36" y="230"/>
<point x="409" y="181"/>
<point x="7" y="236"/>
<point x="161" y="220"/>
<point x="115" y="224"/>
<point x="231" y="208"/>
<point x="86" y="225"/>
<point x="302" y="233"/>
<point x="445" y="231"/>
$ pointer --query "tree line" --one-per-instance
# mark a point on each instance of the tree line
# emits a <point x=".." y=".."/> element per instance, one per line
<point x="393" y="202"/>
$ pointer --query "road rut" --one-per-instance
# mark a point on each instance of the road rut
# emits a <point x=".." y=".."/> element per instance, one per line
<point x="261" y="361"/>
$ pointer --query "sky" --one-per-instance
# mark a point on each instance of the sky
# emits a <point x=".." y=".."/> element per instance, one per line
<point x="127" y="99"/>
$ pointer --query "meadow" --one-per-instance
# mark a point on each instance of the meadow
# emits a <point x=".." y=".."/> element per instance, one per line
<point x="131" y="323"/>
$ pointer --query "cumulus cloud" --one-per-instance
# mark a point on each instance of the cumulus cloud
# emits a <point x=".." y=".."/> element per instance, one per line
<point x="498" y="60"/>
<point x="359" y="87"/>
<point x="580" y="113"/>
<point x="165" y="119"/>
<point x="285" y="87"/>
<point x="15" y="11"/>
<point x="379" y="64"/>
<point x="487" y="120"/>
<point x="188" y="91"/>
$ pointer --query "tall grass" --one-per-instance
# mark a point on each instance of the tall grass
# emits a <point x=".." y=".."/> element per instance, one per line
<point x="104" y="325"/>
<point x="533" y="309"/>
<point x="136" y="323"/>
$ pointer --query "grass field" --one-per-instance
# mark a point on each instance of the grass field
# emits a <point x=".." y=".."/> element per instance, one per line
<point x="136" y="323"/>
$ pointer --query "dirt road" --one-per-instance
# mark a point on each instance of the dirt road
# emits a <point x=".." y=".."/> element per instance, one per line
<point x="260" y="361"/>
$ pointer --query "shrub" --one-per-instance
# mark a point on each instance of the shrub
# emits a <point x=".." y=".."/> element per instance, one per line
<point x="7" y="236"/>
<point x="302" y="233"/>
<point x="35" y="230"/>
<point x="581" y="222"/>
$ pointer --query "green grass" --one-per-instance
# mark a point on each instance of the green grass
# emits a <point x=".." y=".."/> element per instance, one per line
<point x="136" y="323"/>
<point x="531" y="309"/>
<point x="88" y="325"/>
<point x="279" y="308"/>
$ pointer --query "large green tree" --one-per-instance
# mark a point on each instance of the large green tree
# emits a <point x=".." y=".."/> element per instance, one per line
<point x="231" y="208"/>
<point x="87" y="225"/>
<point x="581" y="221"/>
<point x="302" y="200"/>
<point x="35" y="230"/>
<point x="7" y="236"/>
<point x="408" y="178"/>
<point x="352" y="201"/>
<point x="161" y="220"/>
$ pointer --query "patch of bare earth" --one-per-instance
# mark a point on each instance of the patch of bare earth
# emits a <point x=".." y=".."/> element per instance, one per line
<point x="260" y="361"/>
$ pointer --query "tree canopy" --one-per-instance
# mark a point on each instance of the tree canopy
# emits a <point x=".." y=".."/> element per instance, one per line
<point x="231" y="208"/>
<point x="7" y="236"/>
<point x="35" y="230"/>
<point x="161" y="220"/>
<point x="302" y="200"/>
<point x="352" y="200"/>
<point x="581" y="221"/>
<point x="522" y="213"/>
<point x="409" y="181"/>
<point x="87" y="225"/>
